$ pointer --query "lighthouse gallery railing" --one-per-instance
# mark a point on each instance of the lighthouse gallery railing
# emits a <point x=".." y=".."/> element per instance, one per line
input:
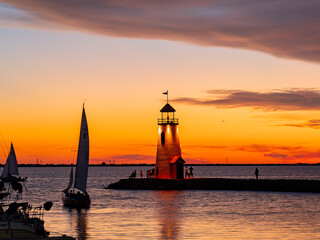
<point x="168" y="121"/>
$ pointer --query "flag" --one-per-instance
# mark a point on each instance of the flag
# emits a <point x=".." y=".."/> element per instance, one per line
<point x="166" y="93"/>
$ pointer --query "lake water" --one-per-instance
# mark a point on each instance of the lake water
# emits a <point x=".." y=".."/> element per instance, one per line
<point x="124" y="214"/>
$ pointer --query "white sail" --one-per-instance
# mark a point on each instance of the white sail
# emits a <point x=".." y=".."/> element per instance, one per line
<point x="6" y="168"/>
<point x="11" y="166"/>
<point x="83" y="156"/>
<point x="13" y="169"/>
<point x="70" y="181"/>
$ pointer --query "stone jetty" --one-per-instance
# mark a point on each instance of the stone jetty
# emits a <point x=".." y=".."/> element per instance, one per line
<point x="274" y="185"/>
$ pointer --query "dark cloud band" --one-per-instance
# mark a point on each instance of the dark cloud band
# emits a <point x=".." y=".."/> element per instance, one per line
<point x="287" y="28"/>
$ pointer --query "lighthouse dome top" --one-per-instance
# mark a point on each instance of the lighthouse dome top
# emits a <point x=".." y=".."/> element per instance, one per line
<point x="167" y="108"/>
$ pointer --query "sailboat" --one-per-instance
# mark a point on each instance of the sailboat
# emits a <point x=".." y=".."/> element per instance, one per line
<point x="10" y="171"/>
<point x="80" y="199"/>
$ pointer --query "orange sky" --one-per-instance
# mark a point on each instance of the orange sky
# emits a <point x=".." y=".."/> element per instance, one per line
<point x="47" y="72"/>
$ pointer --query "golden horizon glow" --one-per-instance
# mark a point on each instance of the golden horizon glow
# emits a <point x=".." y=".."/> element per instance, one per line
<point x="46" y="76"/>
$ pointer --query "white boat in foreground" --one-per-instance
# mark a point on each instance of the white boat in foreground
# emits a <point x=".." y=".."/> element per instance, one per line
<point x="22" y="221"/>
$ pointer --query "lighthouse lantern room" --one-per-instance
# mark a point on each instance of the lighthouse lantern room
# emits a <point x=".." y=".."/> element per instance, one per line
<point x="169" y="163"/>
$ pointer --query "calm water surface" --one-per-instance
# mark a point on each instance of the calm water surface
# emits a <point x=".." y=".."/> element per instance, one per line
<point x="123" y="214"/>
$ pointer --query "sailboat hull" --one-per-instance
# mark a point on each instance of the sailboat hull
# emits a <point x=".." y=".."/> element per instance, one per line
<point x="76" y="200"/>
<point x="13" y="178"/>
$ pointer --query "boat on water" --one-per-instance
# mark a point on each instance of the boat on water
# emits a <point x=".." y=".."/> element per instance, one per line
<point x="10" y="171"/>
<point x="20" y="220"/>
<point x="78" y="197"/>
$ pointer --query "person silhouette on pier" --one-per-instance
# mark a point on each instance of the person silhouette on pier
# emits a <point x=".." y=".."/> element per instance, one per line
<point x="191" y="172"/>
<point x="133" y="174"/>
<point x="256" y="172"/>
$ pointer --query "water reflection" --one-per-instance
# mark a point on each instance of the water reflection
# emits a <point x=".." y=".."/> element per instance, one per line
<point x="202" y="215"/>
<point x="169" y="212"/>
<point x="79" y="217"/>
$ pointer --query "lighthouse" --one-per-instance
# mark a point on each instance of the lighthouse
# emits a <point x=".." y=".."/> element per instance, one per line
<point x="169" y="163"/>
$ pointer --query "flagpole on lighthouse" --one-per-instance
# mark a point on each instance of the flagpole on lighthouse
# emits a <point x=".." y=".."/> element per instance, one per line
<point x="166" y="93"/>
<point x="167" y="96"/>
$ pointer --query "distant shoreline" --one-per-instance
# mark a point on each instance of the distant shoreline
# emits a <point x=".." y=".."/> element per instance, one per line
<point x="134" y="165"/>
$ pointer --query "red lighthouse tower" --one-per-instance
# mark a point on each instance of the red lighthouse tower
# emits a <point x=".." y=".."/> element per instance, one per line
<point x="169" y="163"/>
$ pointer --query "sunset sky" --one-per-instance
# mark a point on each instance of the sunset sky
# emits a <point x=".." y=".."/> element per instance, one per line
<point x="244" y="77"/>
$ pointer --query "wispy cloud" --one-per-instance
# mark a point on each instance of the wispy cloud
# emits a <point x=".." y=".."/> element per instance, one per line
<point x="276" y="100"/>
<point x="308" y="155"/>
<point x="313" y="123"/>
<point x="279" y="152"/>
<point x="277" y="155"/>
<point x="287" y="28"/>
<point x="263" y="148"/>
<point x="133" y="158"/>
<point x="296" y="156"/>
